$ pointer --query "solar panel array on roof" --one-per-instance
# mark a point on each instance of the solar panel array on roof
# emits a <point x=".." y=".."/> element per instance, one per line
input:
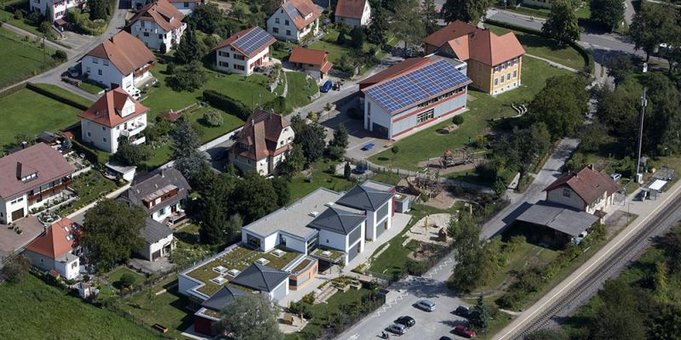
<point x="292" y="11"/>
<point x="417" y="86"/>
<point x="253" y="40"/>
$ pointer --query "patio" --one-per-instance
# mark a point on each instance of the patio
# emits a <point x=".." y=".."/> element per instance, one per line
<point x="10" y="240"/>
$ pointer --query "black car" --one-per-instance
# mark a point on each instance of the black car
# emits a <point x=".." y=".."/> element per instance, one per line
<point x="445" y="338"/>
<point x="463" y="312"/>
<point x="406" y="320"/>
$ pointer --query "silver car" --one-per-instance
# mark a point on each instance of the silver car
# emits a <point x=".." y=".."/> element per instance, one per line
<point x="397" y="328"/>
<point x="425" y="305"/>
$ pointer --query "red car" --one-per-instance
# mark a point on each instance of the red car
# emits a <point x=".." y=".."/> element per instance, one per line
<point x="464" y="331"/>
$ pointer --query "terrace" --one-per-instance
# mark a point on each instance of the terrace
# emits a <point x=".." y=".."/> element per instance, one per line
<point x="219" y="271"/>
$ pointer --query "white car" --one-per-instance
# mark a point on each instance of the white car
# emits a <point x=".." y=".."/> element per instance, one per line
<point x="397" y="328"/>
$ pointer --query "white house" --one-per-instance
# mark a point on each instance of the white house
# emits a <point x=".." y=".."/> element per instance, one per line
<point x="354" y="13"/>
<point x="29" y="177"/>
<point x="158" y="25"/>
<point x="244" y="51"/>
<point x="376" y="200"/>
<point x="413" y="94"/>
<point x="55" y="249"/>
<point x="163" y="195"/>
<point x="115" y="114"/>
<point x="57" y="8"/>
<point x="120" y="61"/>
<point x="585" y="190"/>
<point x="263" y="143"/>
<point x="294" y="20"/>
<point x="184" y="6"/>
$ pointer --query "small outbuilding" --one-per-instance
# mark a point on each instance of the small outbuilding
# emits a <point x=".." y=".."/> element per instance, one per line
<point x="553" y="226"/>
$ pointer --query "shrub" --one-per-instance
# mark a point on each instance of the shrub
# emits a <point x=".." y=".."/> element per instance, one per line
<point x="458" y="120"/>
<point x="19" y="14"/>
<point x="188" y="77"/>
<point x="335" y="152"/>
<point x="59" y="55"/>
<point x="213" y="118"/>
<point x="16" y="267"/>
<point x="395" y="149"/>
<point x="308" y="298"/>
<point x="127" y="280"/>
<point x="416" y="268"/>
<point x="227" y="104"/>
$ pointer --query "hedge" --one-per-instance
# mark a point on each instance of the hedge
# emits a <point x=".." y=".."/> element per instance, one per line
<point x="588" y="58"/>
<point x="55" y="96"/>
<point x="227" y="104"/>
<point x="89" y="154"/>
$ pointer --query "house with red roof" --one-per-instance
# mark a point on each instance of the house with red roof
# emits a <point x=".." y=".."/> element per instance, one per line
<point x="244" y="51"/>
<point x="30" y="177"/>
<point x="314" y="63"/>
<point x="412" y="95"/>
<point x="115" y="114"/>
<point x="56" y="249"/>
<point x="586" y="190"/>
<point x="494" y="61"/>
<point x="263" y="143"/>
<point x="354" y="13"/>
<point x="294" y="20"/>
<point x="120" y="61"/>
<point x="184" y="6"/>
<point x="158" y="25"/>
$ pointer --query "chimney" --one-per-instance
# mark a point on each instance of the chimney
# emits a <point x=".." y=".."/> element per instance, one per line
<point x="19" y="166"/>
<point x="591" y="166"/>
<point x="163" y="173"/>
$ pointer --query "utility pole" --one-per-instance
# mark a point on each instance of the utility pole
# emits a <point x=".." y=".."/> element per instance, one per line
<point x="644" y="103"/>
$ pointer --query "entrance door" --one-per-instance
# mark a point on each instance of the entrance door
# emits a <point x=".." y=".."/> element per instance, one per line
<point x="17" y="214"/>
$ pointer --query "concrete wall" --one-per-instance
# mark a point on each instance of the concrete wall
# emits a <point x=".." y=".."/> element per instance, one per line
<point x="332" y="240"/>
<point x="293" y="243"/>
<point x="185" y="7"/>
<point x="280" y="291"/>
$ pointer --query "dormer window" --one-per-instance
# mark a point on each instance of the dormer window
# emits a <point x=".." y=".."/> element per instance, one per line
<point x="29" y="177"/>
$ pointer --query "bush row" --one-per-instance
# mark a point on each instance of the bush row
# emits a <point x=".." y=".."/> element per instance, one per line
<point x="227" y="104"/>
<point x="55" y="96"/>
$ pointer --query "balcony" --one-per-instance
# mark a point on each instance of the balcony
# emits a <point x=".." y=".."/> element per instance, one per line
<point x="133" y="130"/>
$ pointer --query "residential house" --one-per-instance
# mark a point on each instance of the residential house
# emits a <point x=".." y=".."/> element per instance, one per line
<point x="29" y="177"/>
<point x="264" y="279"/>
<point x="413" y="94"/>
<point x="354" y="13"/>
<point x="244" y="51"/>
<point x="210" y="311"/>
<point x="114" y="115"/>
<point x="294" y="20"/>
<point x="553" y="225"/>
<point x="494" y="61"/>
<point x="158" y="25"/>
<point x="163" y="195"/>
<point x="377" y="200"/>
<point x="120" y="61"/>
<point x="56" y="249"/>
<point x="54" y="10"/>
<point x="314" y="63"/>
<point x="184" y="6"/>
<point x="263" y="143"/>
<point x="586" y="190"/>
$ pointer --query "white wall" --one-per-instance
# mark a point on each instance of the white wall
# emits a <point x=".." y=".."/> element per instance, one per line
<point x="155" y="35"/>
<point x="280" y="291"/>
<point x="557" y="196"/>
<point x="105" y="138"/>
<point x="294" y="243"/>
<point x="281" y="28"/>
<point x="354" y="22"/>
<point x="225" y="61"/>
<point x="185" y="7"/>
<point x="109" y="73"/>
<point x="332" y="240"/>
<point x="57" y="10"/>
<point x="69" y="270"/>
<point x="14" y="204"/>
<point x="159" y="245"/>
<point x="270" y="242"/>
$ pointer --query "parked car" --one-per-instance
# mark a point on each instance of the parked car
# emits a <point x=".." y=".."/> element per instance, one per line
<point x="464" y="331"/>
<point x="397" y="328"/>
<point x="616" y="177"/>
<point x="368" y="146"/>
<point x="326" y="87"/>
<point x="445" y="338"/>
<point x="406" y="320"/>
<point x="463" y="312"/>
<point x="425" y="305"/>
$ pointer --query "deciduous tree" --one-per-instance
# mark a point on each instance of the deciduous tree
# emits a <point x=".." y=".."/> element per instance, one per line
<point x="652" y="25"/>
<point x="561" y="105"/>
<point x="609" y="13"/>
<point x="294" y="163"/>
<point x="130" y="154"/>
<point x="562" y="24"/>
<point x="430" y="16"/>
<point x="254" y="197"/>
<point x="465" y="10"/>
<point x="407" y="23"/>
<point x="250" y="317"/>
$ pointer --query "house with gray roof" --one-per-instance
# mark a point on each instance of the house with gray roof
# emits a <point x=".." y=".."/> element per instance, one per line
<point x="264" y="279"/>
<point x="341" y="228"/>
<point x="554" y="225"/>
<point x="376" y="199"/>
<point x="162" y="194"/>
<point x="210" y="310"/>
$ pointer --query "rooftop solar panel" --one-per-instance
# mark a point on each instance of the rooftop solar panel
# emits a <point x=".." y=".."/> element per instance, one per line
<point x="414" y="87"/>
<point x="253" y="40"/>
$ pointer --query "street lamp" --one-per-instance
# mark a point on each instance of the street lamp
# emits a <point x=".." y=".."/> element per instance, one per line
<point x="644" y="103"/>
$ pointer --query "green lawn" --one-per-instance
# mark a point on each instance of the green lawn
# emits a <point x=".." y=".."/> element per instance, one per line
<point x="34" y="310"/>
<point x="335" y="51"/>
<point x="300" y="186"/>
<point x="31" y="113"/>
<point x="8" y="17"/>
<point x="64" y="93"/>
<point x="89" y="186"/>
<point x="21" y="59"/>
<point x="481" y="108"/>
<point x="518" y="260"/>
<point x="115" y="276"/>
<point x="545" y="48"/>
<point x="92" y="88"/>
<point x="300" y="88"/>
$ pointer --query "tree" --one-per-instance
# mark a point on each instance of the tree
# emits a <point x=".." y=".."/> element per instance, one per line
<point x="609" y="13"/>
<point x="430" y="16"/>
<point x="468" y="251"/>
<point x="340" y="137"/>
<point x="280" y="186"/>
<point x="312" y="141"/>
<point x="213" y="118"/>
<point x="294" y="163"/>
<point x="109" y="241"/>
<point x="618" y="317"/>
<point x="188" y="49"/>
<point x="407" y="23"/>
<point x="562" y="24"/>
<point x="547" y="334"/>
<point x="465" y="10"/>
<point x="480" y="316"/>
<point x="561" y="105"/>
<point x="376" y="33"/>
<point x="357" y="38"/>
<point x="619" y="67"/>
<point x="190" y="77"/>
<point x="652" y="25"/>
<point x="127" y="280"/>
<point x="98" y="9"/>
<point x="347" y="171"/>
<point x="185" y="140"/>
<point x="215" y="227"/>
<point x="130" y="154"/>
<point x="206" y="18"/>
<point x="250" y="317"/>
<point x="15" y="267"/>
<point x="254" y="197"/>
<point x="663" y="119"/>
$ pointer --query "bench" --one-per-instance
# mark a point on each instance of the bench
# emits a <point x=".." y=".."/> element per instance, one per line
<point x="160" y="328"/>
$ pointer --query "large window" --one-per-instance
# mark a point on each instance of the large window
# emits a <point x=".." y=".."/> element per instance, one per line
<point x="425" y="116"/>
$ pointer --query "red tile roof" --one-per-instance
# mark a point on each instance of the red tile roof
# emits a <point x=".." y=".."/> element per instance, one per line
<point x="258" y="139"/>
<point x="48" y="164"/>
<point x="56" y="241"/>
<point x="125" y="52"/>
<point x="587" y="183"/>
<point x="299" y="10"/>
<point x="350" y="8"/>
<point x="108" y="108"/>
<point x="470" y="42"/>
<point x="301" y="55"/>
<point x="161" y="12"/>
<point x="244" y="34"/>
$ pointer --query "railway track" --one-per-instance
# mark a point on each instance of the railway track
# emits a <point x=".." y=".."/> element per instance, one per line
<point x="620" y="258"/>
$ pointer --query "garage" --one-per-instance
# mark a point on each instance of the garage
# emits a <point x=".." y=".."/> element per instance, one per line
<point x="17" y="214"/>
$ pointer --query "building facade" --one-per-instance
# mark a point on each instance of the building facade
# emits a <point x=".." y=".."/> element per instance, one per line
<point x="315" y="63"/>
<point x="158" y="25"/>
<point x="585" y="190"/>
<point x="56" y="249"/>
<point x="294" y="20"/>
<point x="354" y="13"/>
<point x="244" y="51"/>
<point x="54" y="10"/>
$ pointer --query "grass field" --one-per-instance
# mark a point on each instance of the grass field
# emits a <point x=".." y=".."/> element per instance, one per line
<point x="64" y="93"/>
<point x="34" y="310"/>
<point x="545" y="48"/>
<point x="20" y="59"/>
<point x="31" y="113"/>
<point x="481" y="108"/>
<point x="300" y="186"/>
